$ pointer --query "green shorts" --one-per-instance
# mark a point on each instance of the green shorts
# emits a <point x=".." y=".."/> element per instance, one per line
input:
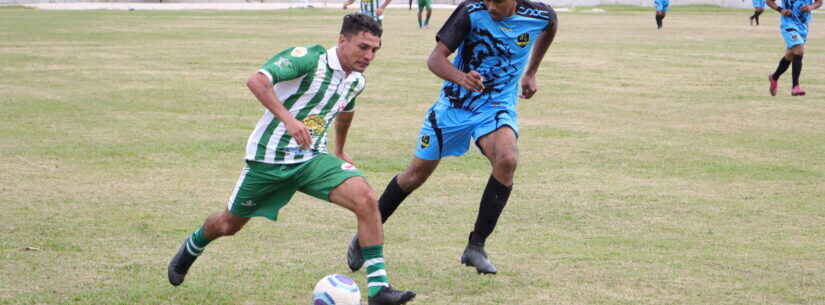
<point x="265" y="188"/>
<point x="424" y="4"/>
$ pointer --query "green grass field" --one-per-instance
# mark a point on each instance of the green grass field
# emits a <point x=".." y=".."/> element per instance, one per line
<point x="654" y="167"/>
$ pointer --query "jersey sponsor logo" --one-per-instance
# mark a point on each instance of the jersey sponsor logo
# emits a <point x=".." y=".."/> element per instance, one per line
<point x="533" y="12"/>
<point x="425" y="141"/>
<point x="248" y="203"/>
<point x="348" y="166"/>
<point x="315" y="124"/>
<point x="298" y="52"/>
<point x="472" y="7"/>
<point x="523" y="40"/>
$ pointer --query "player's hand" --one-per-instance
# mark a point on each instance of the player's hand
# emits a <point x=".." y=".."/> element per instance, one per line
<point x="786" y="12"/>
<point x="344" y="156"/>
<point x="528" y="86"/>
<point x="805" y="8"/>
<point x="379" y="11"/>
<point x="299" y="132"/>
<point x="472" y="81"/>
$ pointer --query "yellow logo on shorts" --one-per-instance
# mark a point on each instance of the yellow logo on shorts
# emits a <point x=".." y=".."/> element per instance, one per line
<point x="315" y="124"/>
<point x="425" y="141"/>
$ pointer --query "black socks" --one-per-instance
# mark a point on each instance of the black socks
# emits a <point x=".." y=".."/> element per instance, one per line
<point x="781" y="68"/>
<point x="796" y="69"/>
<point x="492" y="204"/>
<point x="391" y="198"/>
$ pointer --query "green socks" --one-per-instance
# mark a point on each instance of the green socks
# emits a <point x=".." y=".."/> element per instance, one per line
<point x="376" y="275"/>
<point x="196" y="242"/>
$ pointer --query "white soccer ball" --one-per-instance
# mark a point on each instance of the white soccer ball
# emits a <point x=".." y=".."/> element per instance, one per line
<point x="336" y="289"/>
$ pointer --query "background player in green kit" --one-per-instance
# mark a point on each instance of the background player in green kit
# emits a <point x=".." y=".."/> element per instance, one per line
<point x="371" y="8"/>
<point x="428" y="5"/>
<point x="303" y="90"/>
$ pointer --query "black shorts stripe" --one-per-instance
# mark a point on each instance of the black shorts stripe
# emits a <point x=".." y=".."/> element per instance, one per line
<point x="438" y="135"/>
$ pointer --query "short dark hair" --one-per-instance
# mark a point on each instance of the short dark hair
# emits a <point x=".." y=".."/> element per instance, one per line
<point x="356" y="23"/>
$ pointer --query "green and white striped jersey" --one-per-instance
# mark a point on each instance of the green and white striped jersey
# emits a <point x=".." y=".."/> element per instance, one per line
<point x="370" y="8"/>
<point x="314" y="88"/>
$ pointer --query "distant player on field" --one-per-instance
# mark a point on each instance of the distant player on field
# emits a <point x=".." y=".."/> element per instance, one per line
<point x="661" y="11"/>
<point x="305" y="89"/>
<point x="758" y="8"/>
<point x="492" y="40"/>
<point x="371" y="8"/>
<point x="794" y="20"/>
<point x="424" y="5"/>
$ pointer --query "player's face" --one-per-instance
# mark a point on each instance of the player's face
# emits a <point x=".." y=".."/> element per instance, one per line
<point x="357" y="51"/>
<point x="500" y="9"/>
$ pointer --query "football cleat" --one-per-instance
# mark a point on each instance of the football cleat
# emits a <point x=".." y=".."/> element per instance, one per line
<point x="180" y="264"/>
<point x="474" y="256"/>
<point x="391" y="296"/>
<point x="797" y="91"/>
<point x="355" y="260"/>
<point x="774" y="85"/>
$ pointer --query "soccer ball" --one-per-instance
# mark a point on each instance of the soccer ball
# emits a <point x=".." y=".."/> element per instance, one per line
<point x="336" y="289"/>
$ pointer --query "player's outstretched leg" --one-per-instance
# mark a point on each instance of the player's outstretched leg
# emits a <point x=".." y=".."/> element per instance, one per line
<point x="217" y="225"/>
<point x="357" y="196"/>
<point x="783" y="65"/>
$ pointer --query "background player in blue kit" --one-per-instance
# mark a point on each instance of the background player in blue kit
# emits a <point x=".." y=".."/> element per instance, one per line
<point x="661" y="11"/>
<point x="758" y="8"/>
<point x="796" y="15"/>
<point x="493" y="40"/>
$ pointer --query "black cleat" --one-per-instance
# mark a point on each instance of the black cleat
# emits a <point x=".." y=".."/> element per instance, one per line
<point x="474" y="256"/>
<point x="390" y="296"/>
<point x="355" y="260"/>
<point x="180" y="264"/>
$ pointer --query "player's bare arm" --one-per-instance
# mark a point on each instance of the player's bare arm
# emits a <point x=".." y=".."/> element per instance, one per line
<point x="807" y="8"/>
<point x="342" y="123"/>
<point x="380" y="10"/>
<point x="440" y="65"/>
<point x="543" y="42"/>
<point x="261" y="87"/>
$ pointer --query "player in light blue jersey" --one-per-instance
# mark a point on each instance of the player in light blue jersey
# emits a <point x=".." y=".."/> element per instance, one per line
<point x="758" y="8"/>
<point x="661" y="11"/>
<point x="794" y="20"/>
<point x="493" y="40"/>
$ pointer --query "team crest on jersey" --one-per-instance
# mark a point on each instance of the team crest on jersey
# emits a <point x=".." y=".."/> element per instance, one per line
<point x="425" y="141"/>
<point x="348" y="166"/>
<point x="298" y="52"/>
<point x="315" y="124"/>
<point x="523" y="40"/>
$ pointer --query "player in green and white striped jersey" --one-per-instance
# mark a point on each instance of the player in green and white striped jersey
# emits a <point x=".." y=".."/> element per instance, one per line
<point x="371" y="8"/>
<point x="305" y="89"/>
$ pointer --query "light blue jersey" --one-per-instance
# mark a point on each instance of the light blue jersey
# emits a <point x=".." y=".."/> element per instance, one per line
<point x="661" y="5"/>
<point x="758" y="3"/>
<point x="794" y="28"/>
<point x="499" y="51"/>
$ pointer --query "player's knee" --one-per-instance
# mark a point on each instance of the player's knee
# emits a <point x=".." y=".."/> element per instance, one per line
<point x="507" y="162"/>
<point x="365" y="202"/>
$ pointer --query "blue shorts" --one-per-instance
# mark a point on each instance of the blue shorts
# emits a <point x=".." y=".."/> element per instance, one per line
<point x="758" y="3"/>
<point x="661" y="5"/>
<point x="447" y="131"/>
<point x="793" y="35"/>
